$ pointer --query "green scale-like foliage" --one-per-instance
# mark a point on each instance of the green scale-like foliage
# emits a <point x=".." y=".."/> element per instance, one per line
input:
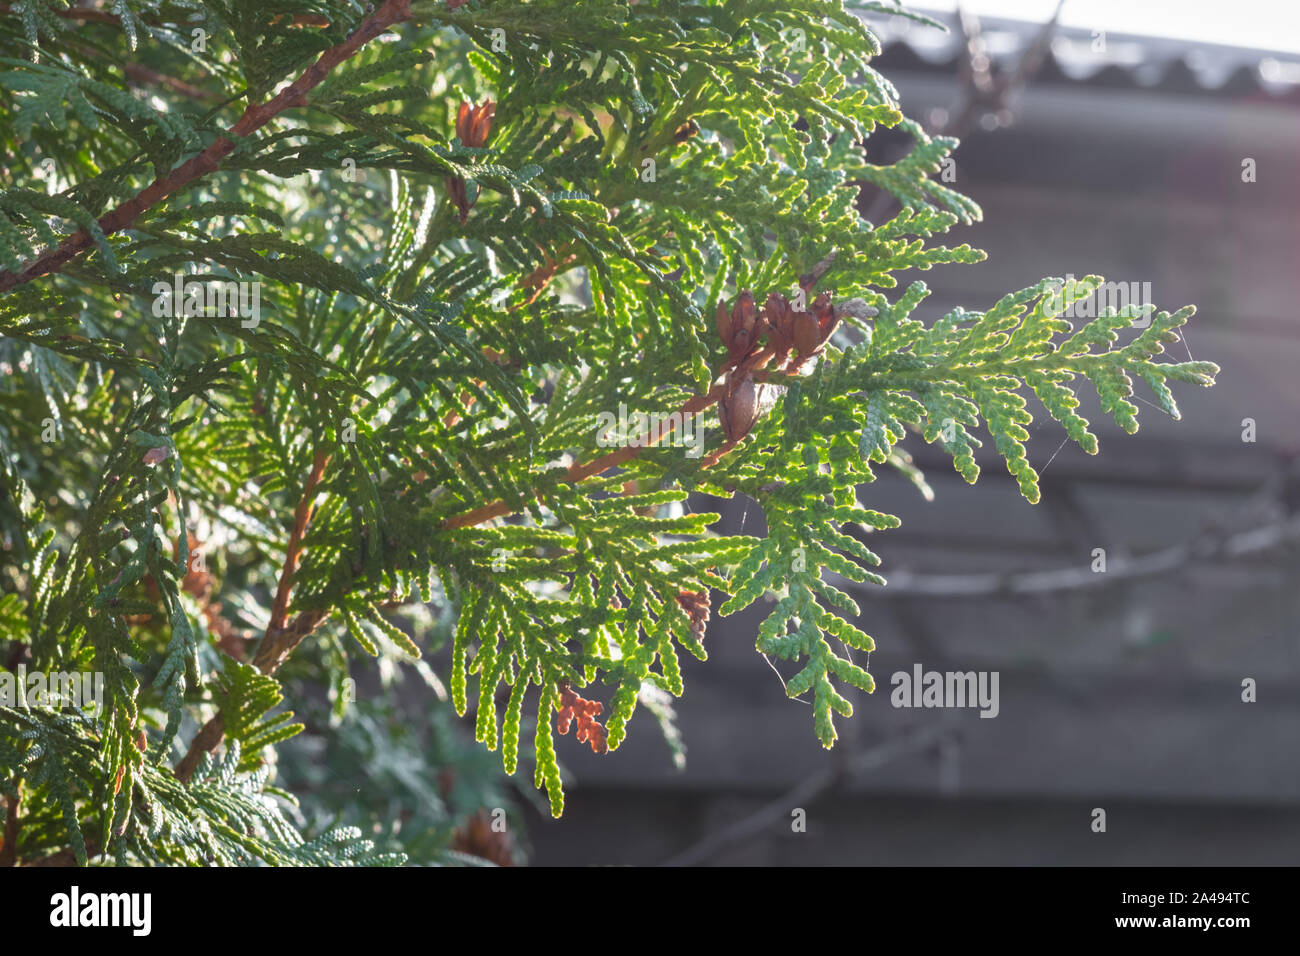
<point x="645" y="163"/>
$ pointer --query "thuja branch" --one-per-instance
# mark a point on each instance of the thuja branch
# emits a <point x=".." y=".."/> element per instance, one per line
<point x="93" y="15"/>
<point x="209" y="160"/>
<point x="793" y="336"/>
<point x="84" y="14"/>
<point x="279" y="639"/>
<point x="597" y="466"/>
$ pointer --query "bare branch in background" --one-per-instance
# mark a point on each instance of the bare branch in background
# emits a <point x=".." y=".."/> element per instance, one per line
<point x="980" y="90"/>
<point x="778" y="811"/>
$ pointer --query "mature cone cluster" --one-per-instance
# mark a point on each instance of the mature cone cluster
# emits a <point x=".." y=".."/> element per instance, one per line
<point x="805" y="332"/>
<point x="573" y="707"/>
<point x="473" y="126"/>
<point x="740" y="328"/>
<point x="788" y="331"/>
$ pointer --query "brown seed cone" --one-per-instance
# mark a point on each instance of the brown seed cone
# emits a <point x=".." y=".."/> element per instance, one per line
<point x="738" y="409"/>
<point x="740" y="330"/>
<point x="780" y="323"/>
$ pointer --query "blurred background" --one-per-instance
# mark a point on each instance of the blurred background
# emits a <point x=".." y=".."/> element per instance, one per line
<point x="1111" y="140"/>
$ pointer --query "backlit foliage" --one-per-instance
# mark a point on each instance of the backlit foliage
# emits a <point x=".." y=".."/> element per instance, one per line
<point x="397" y="447"/>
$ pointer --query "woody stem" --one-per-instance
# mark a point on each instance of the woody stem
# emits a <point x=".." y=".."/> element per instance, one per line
<point x="598" y="466"/>
<point x="279" y="639"/>
<point x="209" y="160"/>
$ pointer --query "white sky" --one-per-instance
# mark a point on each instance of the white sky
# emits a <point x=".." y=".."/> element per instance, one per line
<point x="1264" y="24"/>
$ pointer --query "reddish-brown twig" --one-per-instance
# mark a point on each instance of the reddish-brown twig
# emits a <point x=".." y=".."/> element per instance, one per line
<point x="280" y="639"/>
<point x="604" y="463"/>
<point x="9" y="849"/>
<point x="143" y="75"/>
<point x="209" y="160"/>
<point x="301" y="515"/>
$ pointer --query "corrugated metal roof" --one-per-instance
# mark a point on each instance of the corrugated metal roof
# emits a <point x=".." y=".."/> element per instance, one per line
<point x="1107" y="59"/>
